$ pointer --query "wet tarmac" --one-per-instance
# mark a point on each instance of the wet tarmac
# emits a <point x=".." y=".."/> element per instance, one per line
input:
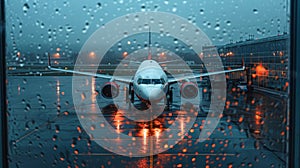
<point x="45" y="130"/>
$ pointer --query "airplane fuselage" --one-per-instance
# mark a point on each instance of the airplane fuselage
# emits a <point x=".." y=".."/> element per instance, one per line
<point x="150" y="82"/>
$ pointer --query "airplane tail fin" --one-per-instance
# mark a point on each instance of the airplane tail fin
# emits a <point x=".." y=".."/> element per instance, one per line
<point x="149" y="45"/>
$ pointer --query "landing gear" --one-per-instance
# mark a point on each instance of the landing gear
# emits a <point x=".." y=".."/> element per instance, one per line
<point x="131" y="92"/>
<point x="169" y="97"/>
<point x="132" y="96"/>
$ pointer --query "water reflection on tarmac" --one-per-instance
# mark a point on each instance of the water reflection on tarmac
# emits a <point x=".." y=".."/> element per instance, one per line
<point x="44" y="130"/>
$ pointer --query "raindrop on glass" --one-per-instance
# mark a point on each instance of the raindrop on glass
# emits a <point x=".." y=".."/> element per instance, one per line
<point x="201" y="11"/>
<point x="25" y="8"/>
<point x="43" y="106"/>
<point x="228" y="23"/>
<point x="174" y="9"/>
<point x="57" y="11"/>
<point x="28" y="107"/>
<point x="255" y="11"/>
<point x="68" y="28"/>
<point x="98" y="5"/>
<point x="175" y="41"/>
<point x="217" y="27"/>
<point x="42" y="25"/>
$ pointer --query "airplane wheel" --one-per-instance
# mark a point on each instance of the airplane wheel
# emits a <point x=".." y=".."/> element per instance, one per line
<point x="132" y="95"/>
<point x="169" y="97"/>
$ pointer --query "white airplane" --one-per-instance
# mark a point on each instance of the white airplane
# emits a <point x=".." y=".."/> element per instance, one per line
<point x="150" y="82"/>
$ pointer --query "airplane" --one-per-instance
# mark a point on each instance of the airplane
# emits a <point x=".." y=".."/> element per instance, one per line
<point x="150" y="82"/>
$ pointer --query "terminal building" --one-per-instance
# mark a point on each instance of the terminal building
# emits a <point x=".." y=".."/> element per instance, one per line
<point x="267" y="71"/>
<point x="266" y="62"/>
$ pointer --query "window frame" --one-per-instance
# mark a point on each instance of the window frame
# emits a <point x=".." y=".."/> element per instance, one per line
<point x="294" y="108"/>
<point x="3" y="106"/>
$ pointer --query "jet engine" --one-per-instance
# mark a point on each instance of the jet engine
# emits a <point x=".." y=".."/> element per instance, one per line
<point x="110" y="90"/>
<point x="189" y="90"/>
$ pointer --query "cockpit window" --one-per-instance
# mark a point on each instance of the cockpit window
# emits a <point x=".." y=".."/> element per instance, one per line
<point x="162" y="81"/>
<point x="146" y="81"/>
<point x="150" y="81"/>
<point x="139" y="81"/>
<point x="156" y="81"/>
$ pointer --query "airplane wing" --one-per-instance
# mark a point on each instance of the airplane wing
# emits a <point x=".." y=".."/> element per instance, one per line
<point x="184" y="77"/>
<point x="139" y="62"/>
<point x="170" y="61"/>
<point x="113" y="78"/>
<point x="130" y="61"/>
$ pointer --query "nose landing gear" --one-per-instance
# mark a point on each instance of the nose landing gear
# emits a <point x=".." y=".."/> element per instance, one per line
<point x="169" y="98"/>
<point x="130" y="94"/>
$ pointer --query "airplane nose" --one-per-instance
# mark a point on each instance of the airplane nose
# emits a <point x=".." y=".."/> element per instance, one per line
<point x="154" y="94"/>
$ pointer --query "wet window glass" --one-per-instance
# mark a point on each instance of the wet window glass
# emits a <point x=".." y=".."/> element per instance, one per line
<point x="156" y="81"/>
<point x="73" y="100"/>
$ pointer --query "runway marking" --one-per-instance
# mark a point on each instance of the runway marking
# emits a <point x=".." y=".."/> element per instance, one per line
<point x="39" y="127"/>
<point x="26" y="135"/>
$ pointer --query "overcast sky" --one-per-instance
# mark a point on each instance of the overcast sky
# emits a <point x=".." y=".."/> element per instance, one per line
<point x="43" y="24"/>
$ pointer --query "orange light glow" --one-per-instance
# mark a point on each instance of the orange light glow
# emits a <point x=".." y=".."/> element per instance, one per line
<point x="157" y="133"/>
<point x="162" y="54"/>
<point x="182" y="127"/>
<point x="82" y="96"/>
<point x="58" y="94"/>
<point x="241" y="119"/>
<point x="258" y="118"/>
<point x="118" y="125"/>
<point x="261" y="70"/>
<point x="257" y="131"/>
<point x="93" y="89"/>
<point x="118" y="120"/>
<point x="125" y="54"/>
<point x="281" y="53"/>
<point x="286" y="84"/>
<point x="230" y="53"/>
<point x="201" y="55"/>
<point x="92" y="54"/>
<point x="78" y="129"/>
<point x="145" y="132"/>
<point x="56" y="55"/>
